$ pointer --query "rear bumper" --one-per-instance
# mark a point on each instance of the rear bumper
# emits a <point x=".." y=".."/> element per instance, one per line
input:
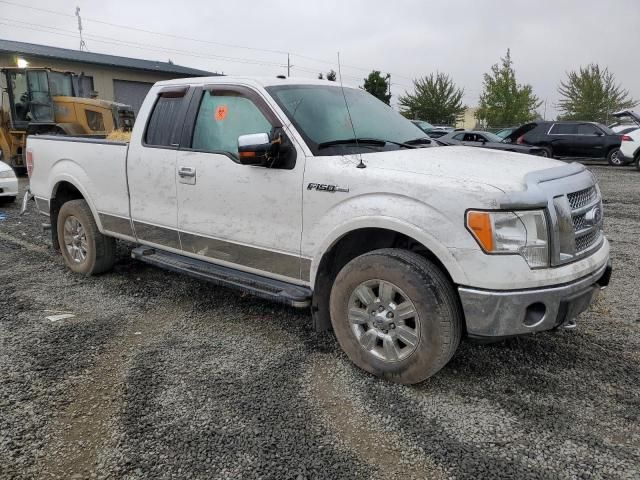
<point x="625" y="159"/>
<point x="494" y="314"/>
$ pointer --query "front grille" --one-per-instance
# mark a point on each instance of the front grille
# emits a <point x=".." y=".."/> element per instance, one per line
<point x="586" y="233"/>
<point x="587" y="240"/>
<point x="579" y="222"/>
<point x="582" y="198"/>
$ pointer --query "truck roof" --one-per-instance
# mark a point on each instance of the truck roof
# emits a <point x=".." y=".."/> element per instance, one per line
<point x="250" y="80"/>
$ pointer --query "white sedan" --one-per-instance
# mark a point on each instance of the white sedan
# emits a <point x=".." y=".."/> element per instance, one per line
<point x="8" y="183"/>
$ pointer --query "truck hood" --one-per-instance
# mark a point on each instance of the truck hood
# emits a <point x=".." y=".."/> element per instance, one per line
<point x="503" y="170"/>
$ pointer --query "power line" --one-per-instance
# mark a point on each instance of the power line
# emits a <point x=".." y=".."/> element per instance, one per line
<point x="181" y="37"/>
<point x="99" y="38"/>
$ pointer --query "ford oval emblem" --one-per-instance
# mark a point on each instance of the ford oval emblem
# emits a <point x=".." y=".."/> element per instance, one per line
<point x="593" y="216"/>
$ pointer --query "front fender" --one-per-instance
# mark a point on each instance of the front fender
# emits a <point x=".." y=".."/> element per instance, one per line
<point x="430" y="227"/>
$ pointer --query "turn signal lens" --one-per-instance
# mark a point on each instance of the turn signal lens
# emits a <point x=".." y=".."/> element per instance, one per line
<point x="480" y="225"/>
<point x="626" y="138"/>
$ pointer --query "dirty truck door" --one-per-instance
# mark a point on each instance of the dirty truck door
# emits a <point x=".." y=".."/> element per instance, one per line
<point x="151" y="169"/>
<point x="246" y="216"/>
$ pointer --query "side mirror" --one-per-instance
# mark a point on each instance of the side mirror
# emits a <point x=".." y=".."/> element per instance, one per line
<point x="259" y="149"/>
<point x="599" y="134"/>
<point x="254" y="149"/>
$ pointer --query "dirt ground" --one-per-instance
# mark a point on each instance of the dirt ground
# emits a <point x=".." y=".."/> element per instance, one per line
<point x="157" y="375"/>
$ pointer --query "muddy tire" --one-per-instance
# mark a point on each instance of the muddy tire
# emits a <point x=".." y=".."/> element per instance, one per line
<point x="396" y="315"/>
<point x="84" y="249"/>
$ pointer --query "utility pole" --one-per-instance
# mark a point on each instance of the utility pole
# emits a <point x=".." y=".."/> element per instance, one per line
<point x="544" y="116"/>
<point x="389" y="86"/>
<point x="288" y="66"/>
<point x="83" y="46"/>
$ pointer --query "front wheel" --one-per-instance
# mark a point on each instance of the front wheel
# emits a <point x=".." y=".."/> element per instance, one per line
<point x="614" y="158"/>
<point x="84" y="249"/>
<point x="396" y="315"/>
<point x="638" y="161"/>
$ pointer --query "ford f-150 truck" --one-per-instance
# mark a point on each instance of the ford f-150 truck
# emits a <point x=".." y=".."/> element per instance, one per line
<point x="323" y="197"/>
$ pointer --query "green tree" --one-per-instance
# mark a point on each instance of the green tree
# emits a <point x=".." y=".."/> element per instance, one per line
<point x="331" y="75"/>
<point x="503" y="101"/>
<point x="435" y="99"/>
<point x="592" y="94"/>
<point x="320" y="76"/>
<point x="378" y="86"/>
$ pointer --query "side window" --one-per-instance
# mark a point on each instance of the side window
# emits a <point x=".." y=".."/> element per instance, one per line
<point x="470" y="137"/>
<point x="222" y="117"/>
<point x="163" y="129"/>
<point x="564" y="129"/>
<point x="587" y="129"/>
<point x="459" y="136"/>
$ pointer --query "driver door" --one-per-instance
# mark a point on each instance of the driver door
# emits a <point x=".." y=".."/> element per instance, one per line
<point x="40" y="102"/>
<point x="249" y="217"/>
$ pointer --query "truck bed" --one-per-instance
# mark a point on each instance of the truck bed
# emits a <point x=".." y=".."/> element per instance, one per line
<point x="96" y="167"/>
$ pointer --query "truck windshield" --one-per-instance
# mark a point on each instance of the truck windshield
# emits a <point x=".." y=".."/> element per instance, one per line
<point x="320" y="115"/>
<point x="60" y="84"/>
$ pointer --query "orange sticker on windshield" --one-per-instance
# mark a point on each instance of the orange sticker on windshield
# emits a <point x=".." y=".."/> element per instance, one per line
<point x="221" y="112"/>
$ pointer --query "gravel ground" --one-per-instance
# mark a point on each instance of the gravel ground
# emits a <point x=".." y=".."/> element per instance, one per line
<point x="161" y="376"/>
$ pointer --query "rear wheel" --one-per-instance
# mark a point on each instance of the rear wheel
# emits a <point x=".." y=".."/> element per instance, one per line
<point x="638" y="161"/>
<point x="84" y="249"/>
<point x="396" y="315"/>
<point x="546" y="152"/>
<point x="614" y="158"/>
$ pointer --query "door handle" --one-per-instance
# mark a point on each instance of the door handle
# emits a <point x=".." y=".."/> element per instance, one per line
<point x="186" y="172"/>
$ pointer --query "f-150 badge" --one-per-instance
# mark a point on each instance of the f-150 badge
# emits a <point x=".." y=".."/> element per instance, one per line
<point x="321" y="187"/>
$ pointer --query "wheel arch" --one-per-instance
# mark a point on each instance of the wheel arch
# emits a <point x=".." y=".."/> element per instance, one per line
<point x="366" y="238"/>
<point x="64" y="190"/>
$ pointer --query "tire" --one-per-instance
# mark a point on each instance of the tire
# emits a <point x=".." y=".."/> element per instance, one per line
<point x="5" y="200"/>
<point x="546" y="152"/>
<point x="100" y="251"/>
<point x="614" y="158"/>
<point x="638" y="161"/>
<point x="436" y="326"/>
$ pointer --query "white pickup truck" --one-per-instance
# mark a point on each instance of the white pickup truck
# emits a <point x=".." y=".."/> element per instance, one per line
<point x="325" y="198"/>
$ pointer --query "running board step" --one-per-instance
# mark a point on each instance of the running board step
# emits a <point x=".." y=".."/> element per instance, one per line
<point x="263" y="287"/>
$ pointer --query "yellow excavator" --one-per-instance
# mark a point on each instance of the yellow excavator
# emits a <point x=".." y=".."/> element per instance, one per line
<point x="36" y="101"/>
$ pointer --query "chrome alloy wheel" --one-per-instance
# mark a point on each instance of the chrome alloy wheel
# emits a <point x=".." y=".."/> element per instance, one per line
<point x="616" y="159"/>
<point x="75" y="239"/>
<point x="384" y="320"/>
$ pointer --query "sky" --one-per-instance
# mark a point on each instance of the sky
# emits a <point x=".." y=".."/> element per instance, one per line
<point x="406" y="38"/>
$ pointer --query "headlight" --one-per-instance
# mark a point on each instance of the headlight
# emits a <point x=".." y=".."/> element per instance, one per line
<point x="7" y="174"/>
<point x="522" y="233"/>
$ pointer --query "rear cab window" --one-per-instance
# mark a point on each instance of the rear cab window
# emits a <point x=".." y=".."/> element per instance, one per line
<point x="164" y="127"/>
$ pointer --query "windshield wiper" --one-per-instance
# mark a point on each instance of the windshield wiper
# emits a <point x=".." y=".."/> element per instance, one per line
<point x="363" y="141"/>
<point x="419" y="141"/>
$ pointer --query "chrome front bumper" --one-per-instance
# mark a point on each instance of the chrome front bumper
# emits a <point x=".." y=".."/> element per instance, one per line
<point x="490" y="314"/>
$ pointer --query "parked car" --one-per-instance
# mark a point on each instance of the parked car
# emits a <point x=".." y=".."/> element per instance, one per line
<point x="8" y="183"/>
<point x="432" y="131"/>
<point x="570" y="139"/>
<point x="259" y="184"/>
<point x="505" y="132"/>
<point x="488" y="140"/>
<point x="630" y="147"/>
<point x="426" y="127"/>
